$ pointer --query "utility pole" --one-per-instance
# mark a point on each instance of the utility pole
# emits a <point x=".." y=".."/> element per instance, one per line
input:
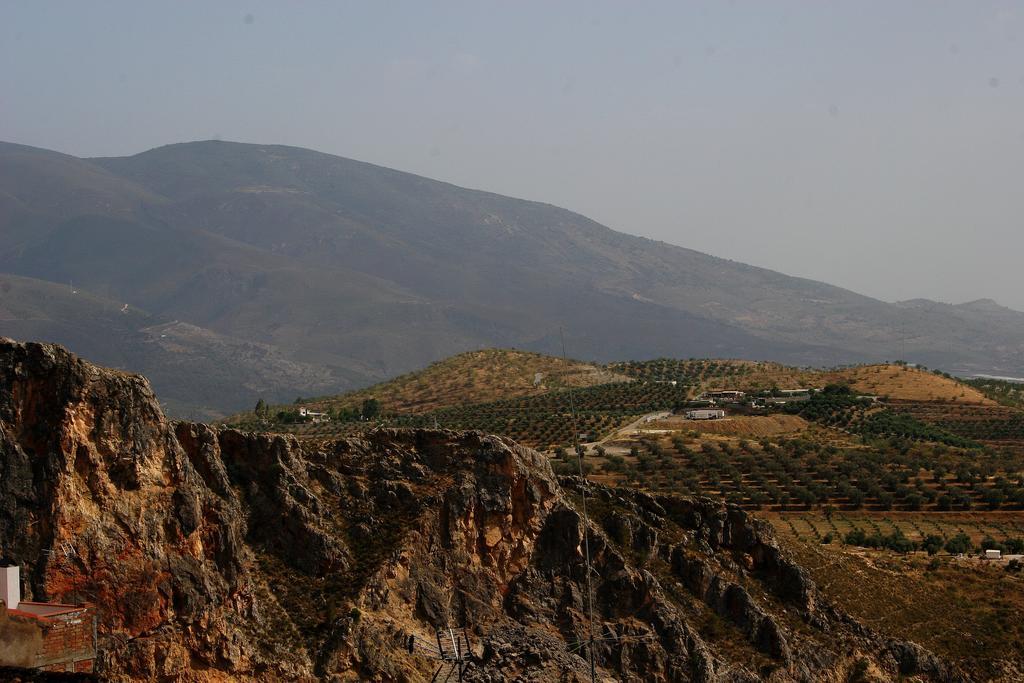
<point x="586" y="522"/>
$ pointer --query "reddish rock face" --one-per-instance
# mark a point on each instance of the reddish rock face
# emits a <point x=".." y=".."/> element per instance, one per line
<point x="215" y="554"/>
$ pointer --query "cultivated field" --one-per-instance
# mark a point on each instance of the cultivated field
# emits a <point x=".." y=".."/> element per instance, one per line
<point x="818" y="468"/>
<point x="739" y="425"/>
<point x="932" y="445"/>
<point x="815" y="525"/>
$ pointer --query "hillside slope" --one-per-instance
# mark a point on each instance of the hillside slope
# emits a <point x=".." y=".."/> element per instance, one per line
<point x="903" y="383"/>
<point x="216" y="555"/>
<point x="194" y="369"/>
<point x="368" y="272"/>
<point x="473" y="377"/>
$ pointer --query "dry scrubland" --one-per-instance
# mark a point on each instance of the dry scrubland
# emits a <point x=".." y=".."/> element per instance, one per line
<point x="964" y="609"/>
<point x="474" y="377"/>
<point x="903" y="383"/>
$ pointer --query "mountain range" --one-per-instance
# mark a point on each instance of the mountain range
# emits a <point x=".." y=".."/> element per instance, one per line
<point x="228" y="272"/>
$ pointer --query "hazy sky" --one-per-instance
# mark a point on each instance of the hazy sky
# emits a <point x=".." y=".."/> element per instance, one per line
<point x="875" y="145"/>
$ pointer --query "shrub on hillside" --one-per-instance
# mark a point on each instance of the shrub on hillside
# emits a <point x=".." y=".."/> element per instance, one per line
<point x="959" y="544"/>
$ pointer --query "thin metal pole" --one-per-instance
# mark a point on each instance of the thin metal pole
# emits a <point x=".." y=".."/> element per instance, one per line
<point x="586" y="520"/>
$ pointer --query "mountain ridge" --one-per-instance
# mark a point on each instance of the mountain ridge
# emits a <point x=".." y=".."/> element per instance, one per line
<point x="368" y="272"/>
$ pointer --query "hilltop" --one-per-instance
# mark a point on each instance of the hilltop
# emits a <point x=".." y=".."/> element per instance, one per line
<point x="472" y="377"/>
<point x="350" y="273"/>
<point x="904" y="383"/>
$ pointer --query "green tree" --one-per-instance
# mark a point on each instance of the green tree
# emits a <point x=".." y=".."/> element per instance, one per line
<point x="371" y="408"/>
<point x="932" y="544"/>
<point x="994" y="498"/>
<point x="959" y="544"/>
<point x="914" y="501"/>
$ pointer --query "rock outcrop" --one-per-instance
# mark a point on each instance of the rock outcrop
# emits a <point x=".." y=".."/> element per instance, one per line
<point x="216" y="554"/>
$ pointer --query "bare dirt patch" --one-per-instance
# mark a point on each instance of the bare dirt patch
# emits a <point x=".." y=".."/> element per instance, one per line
<point x="907" y="384"/>
<point x="741" y="425"/>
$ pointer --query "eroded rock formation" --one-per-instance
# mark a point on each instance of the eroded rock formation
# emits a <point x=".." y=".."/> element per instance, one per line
<point x="215" y="554"/>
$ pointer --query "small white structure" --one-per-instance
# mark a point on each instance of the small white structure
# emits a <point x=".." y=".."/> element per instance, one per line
<point x="314" y="416"/>
<point x="709" y="414"/>
<point x="991" y="554"/>
<point x="10" y="585"/>
<point x="725" y="395"/>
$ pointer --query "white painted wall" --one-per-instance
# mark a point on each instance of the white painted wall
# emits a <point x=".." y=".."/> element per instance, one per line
<point x="10" y="586"/>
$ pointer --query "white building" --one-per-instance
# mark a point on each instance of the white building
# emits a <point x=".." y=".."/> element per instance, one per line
<point x="708" y="414"/>
<point x="314" y="416"/>
<point x="724" y="395"/>
<point x="993" y="554"/>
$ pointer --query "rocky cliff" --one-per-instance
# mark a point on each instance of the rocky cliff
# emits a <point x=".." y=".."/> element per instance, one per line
<point x="216" y="554"/>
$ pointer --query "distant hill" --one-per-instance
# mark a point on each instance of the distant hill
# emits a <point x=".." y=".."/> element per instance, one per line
<point x="904" y="383"/>
<point x="525" y="396"/>
<point x="349" y="273"/>
<point x="197" y="369"/>
<point x="473" y="377"/>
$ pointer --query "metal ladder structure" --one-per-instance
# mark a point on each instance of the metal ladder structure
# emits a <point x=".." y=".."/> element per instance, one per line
<point x="451" y="649"/>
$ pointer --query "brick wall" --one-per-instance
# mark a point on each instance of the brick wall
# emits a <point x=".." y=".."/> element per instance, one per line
<point x="68" y="643"/>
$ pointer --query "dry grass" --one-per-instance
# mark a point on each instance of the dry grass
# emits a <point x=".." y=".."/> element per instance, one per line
<point x="762" y="375"/>
<point x="895" y="381"/>
<point x="968" y="611"/>
<point x="907" y="384"/>
<point x="475" y="377"/>
<point x="739" y="425"/>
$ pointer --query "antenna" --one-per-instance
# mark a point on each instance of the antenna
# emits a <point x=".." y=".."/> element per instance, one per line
<point x="586" y="519"/>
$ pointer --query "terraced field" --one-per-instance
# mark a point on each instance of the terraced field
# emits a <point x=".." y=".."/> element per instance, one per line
<point x="710" y="374"/>
<point x="815" y="525"/>
<point x="821" y="468"/>
<point x="956" y="451"/>
<point x="992" y="425"/>
<point x="543" y="421"/>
